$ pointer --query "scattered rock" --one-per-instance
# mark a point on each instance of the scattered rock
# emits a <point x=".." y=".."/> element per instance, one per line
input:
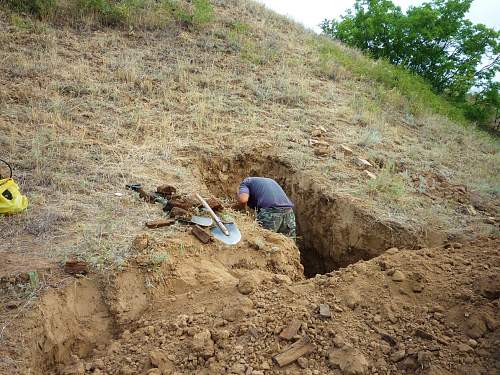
<point x="291" y="330"/>
<point x="166" y="190"/>
<point x="179" y="212"/>
<point x="417" y="287"/>
<point x="302" y="362"/>
<point x="158" y="358"/>
<point x="398" y="355"/>
<point x="76" y="267"/>
<point x="322" y="150"/>
<point x="247" y="284"/>
<point x="398" y="276"/>
<point x="350" y="361"/>
<point x="238" y="368"/>
<point x="362" y="163"/>
<point x="488" y="286"/>
<point x="346" y="150"/>
<point x="370" y="175"/>
<point x="352" y="299"/>
<point x="491" y="323"/>
<point x="324" y="311"/>
<point x="202" y="344"/>
<point x="140" y="242"/>
<point x="475" y="326"/>
<point x="419" y="332"/>
<point x="339" y="341"/>
<point x="464" y="348"/>
<point x="282" y="279"/>
<point x="392" y="251"/>
<point x="472" y="343"/>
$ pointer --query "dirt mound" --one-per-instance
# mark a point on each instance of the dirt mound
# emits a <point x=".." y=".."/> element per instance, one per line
<point x="231" y="311"/>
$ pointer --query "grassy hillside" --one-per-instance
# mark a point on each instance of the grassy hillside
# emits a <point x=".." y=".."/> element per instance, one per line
<point x="95" y="96"/>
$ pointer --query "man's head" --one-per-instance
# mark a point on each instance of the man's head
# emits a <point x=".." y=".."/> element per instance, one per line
<point x="242" y="196"/>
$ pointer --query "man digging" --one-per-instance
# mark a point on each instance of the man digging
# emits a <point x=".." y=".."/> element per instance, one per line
<point x="274" y="208"/>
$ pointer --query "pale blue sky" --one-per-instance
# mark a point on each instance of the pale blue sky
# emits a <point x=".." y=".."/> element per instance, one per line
<point x="311" y="12"/>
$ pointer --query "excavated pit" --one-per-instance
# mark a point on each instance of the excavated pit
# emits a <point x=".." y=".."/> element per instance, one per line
<point x="333" y="230"/>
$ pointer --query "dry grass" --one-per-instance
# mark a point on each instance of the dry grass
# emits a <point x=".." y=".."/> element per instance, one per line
<point x="85" y="112"/>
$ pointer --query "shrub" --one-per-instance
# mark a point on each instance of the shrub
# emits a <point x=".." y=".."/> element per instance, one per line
<point x="104" y="10"/>
<point x="40" y="8"/>
<point x="200" y="14"/>
<point x="140" y="13"/>
<point x="203" y="12"/>
<point x="388" y="185"/>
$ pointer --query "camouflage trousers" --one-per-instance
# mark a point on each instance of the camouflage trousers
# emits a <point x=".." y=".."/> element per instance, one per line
<point x="280" y="220"/>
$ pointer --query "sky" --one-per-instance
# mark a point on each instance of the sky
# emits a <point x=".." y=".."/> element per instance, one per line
<point x="311" y="12"/>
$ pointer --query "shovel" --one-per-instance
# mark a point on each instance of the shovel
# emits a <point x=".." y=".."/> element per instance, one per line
<point x="227" y="233"/>
<point x="202" y="221"/>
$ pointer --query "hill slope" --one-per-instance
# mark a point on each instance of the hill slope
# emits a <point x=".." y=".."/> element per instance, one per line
<point x="86" y="109"/>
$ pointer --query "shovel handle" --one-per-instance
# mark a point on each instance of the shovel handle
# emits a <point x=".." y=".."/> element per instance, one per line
<point x="214" y="216"/>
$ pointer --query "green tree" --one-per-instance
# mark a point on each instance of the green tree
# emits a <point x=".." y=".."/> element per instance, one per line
<point x="434" y="40"/>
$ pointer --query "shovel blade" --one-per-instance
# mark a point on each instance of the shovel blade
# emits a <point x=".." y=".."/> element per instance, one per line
<point x="234" y="234"/>
<point x="202" y="221"/>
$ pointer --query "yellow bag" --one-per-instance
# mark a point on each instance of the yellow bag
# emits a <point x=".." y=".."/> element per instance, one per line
<point x="11" y="199"/>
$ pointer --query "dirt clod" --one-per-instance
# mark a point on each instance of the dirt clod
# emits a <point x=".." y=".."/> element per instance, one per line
<point x="202" y="344"/>
<point x="76" y="267"/>
<point x="247" y="284"/>
<point x="350" y="361"/>
<point x="398" y="276"/>
<point x="140" y="242"/>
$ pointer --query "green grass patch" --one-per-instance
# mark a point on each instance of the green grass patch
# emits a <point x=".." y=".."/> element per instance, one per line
<point x="252" y="49"/>
<point x="41" y="8"/>
<point x="396" y="80"/>
<point x="388" y="184"/>
<point x="131" y="13"/>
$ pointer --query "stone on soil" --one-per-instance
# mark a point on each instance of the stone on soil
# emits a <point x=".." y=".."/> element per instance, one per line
<point x="350" y="361"/>
<point x="246" y="285"/>
<point x="398" y="276"/>
<point x="352" y="299"/>
<point x="202" y="344"/>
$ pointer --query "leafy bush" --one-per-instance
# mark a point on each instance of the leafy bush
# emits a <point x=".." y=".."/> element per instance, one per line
<point x="104" y="10"/>
<point x="436" y="42"/>
<point x="203" y="12"/>
<point x="140" y="13"/>
<point x="200" y="14"/>
<point x="40" y="8"/>
<point x="388" y="183"/>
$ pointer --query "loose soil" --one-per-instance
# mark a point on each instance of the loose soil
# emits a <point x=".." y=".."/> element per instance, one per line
<point x="220" y="310"/>
<point x="395" y="303"/>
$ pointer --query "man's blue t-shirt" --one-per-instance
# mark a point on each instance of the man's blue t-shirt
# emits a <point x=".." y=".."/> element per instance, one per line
<point x="264" y="193"/>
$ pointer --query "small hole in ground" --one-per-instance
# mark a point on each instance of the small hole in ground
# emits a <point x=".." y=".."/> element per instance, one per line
<point x="333" y="230"/>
